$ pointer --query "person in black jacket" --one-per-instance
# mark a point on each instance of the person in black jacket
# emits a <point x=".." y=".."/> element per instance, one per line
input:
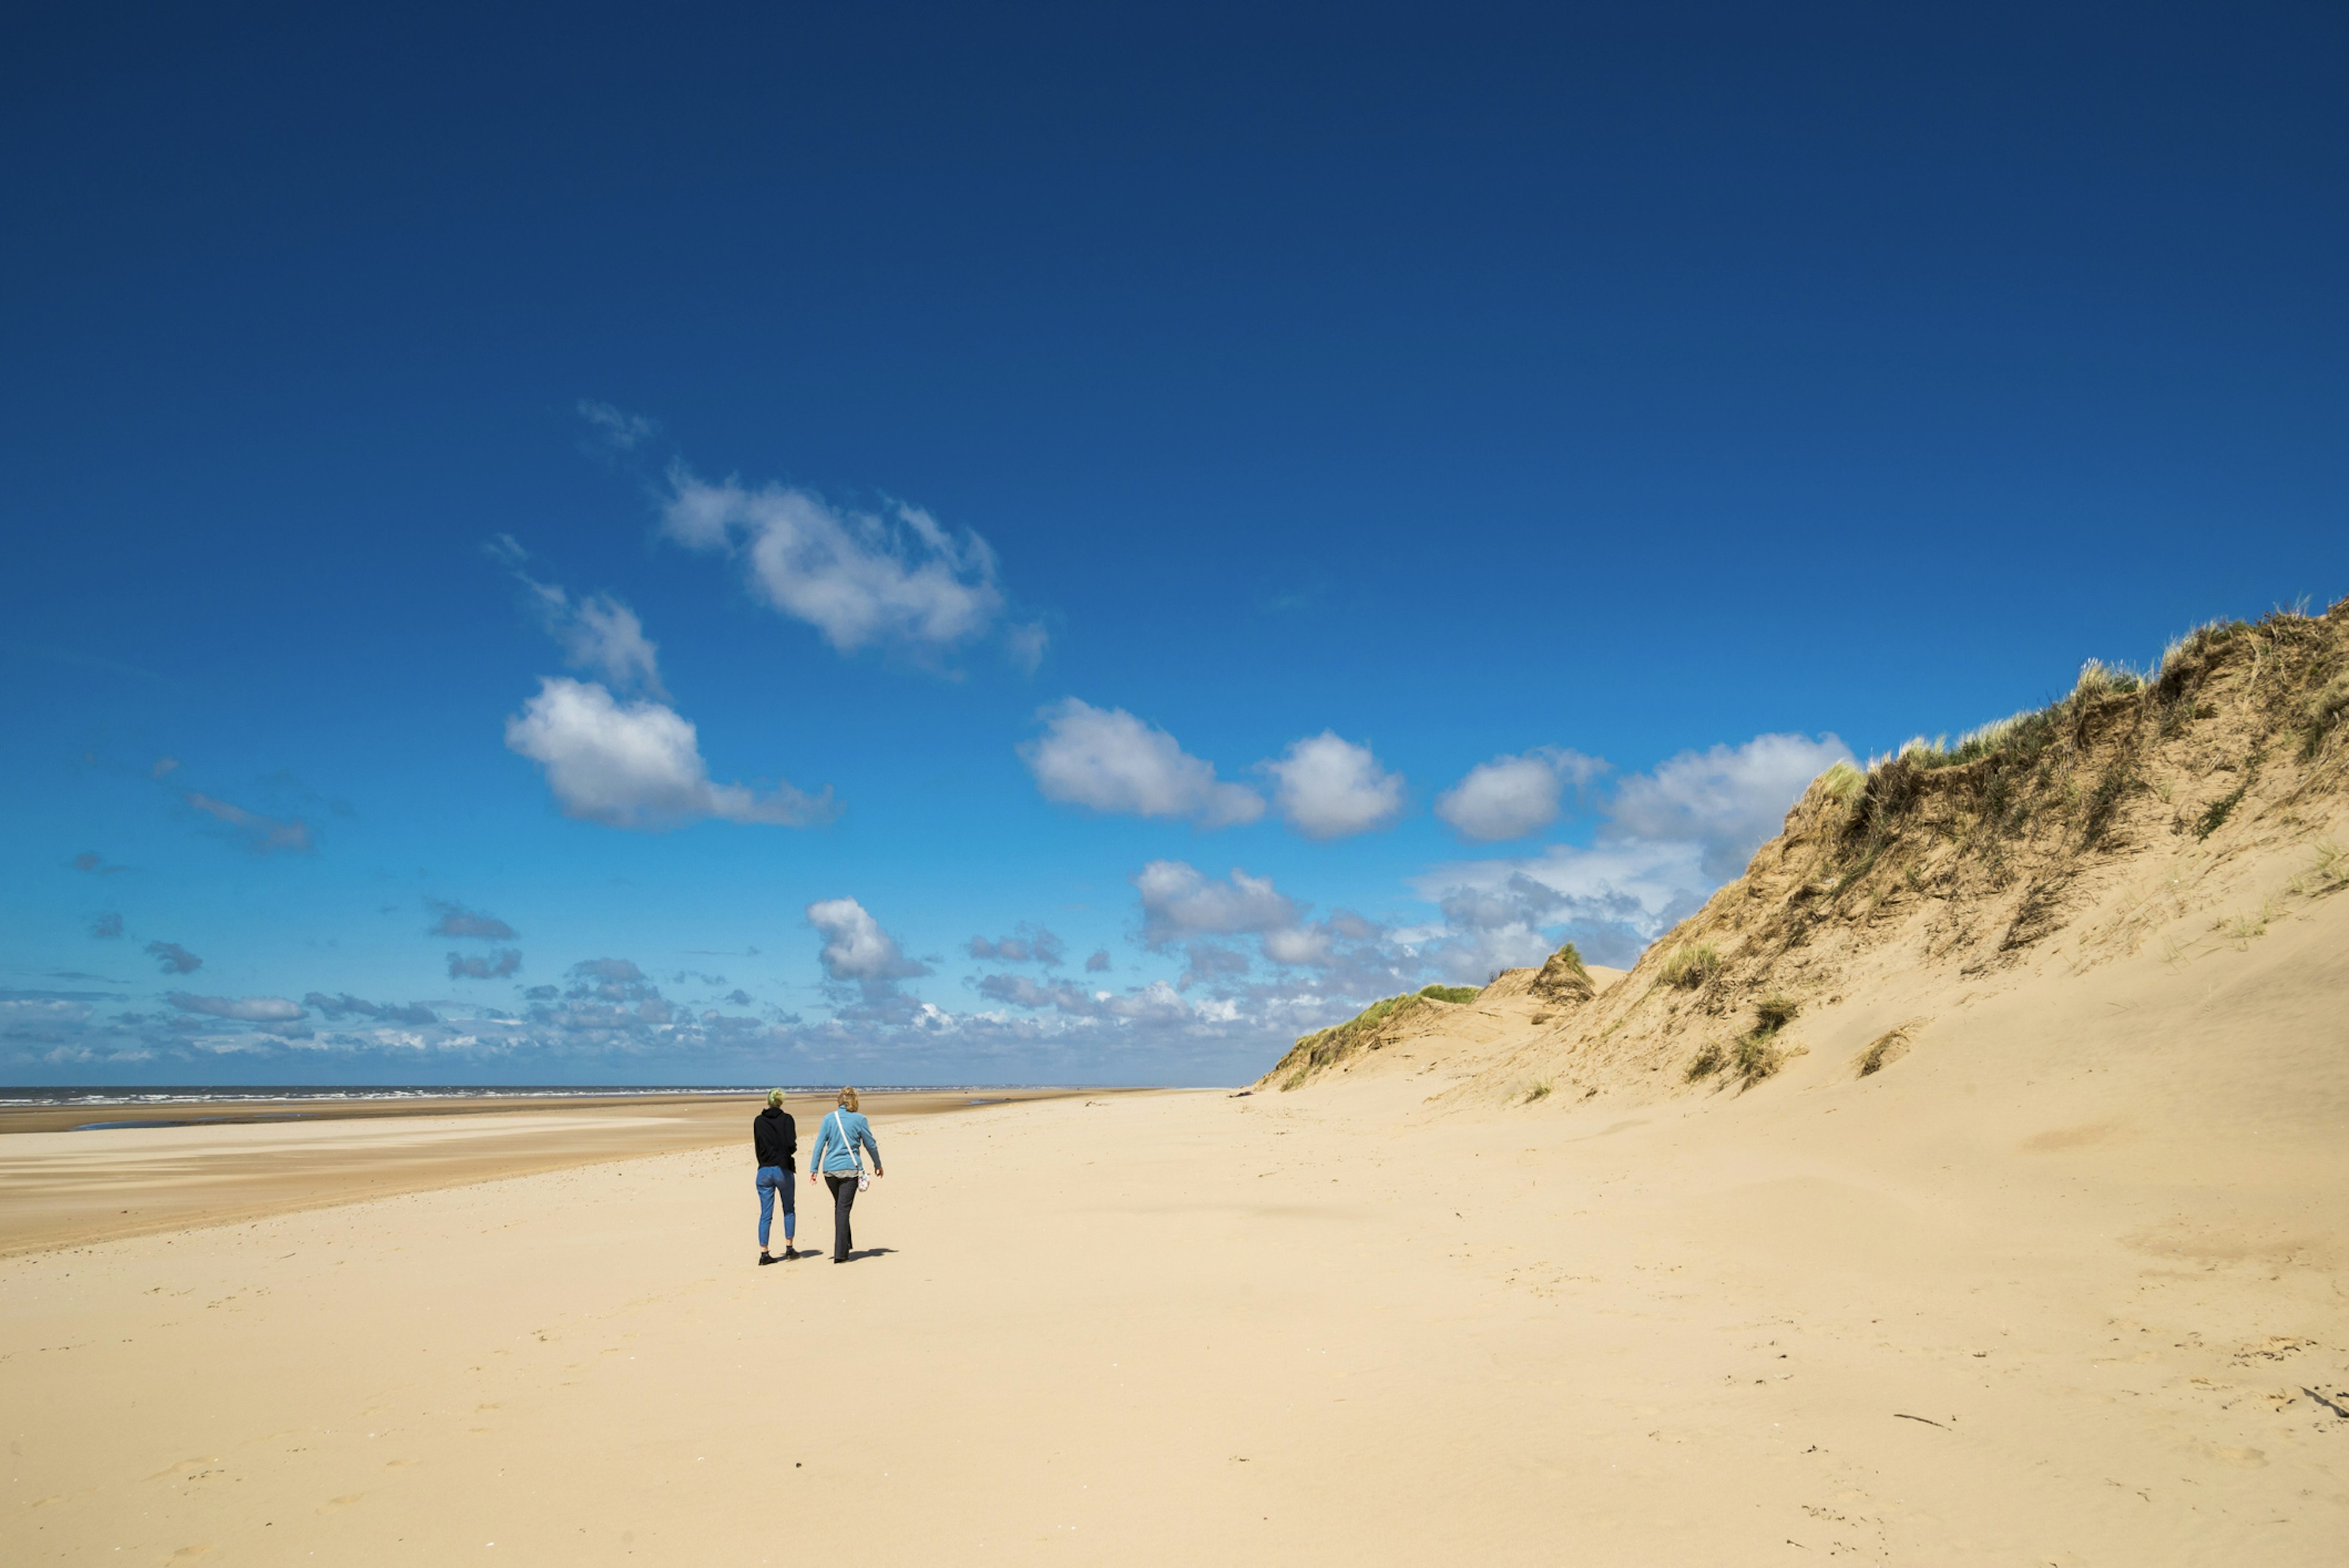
<point x="776" y="1141"/>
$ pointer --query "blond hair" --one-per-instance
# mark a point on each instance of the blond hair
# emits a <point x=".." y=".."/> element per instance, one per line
<point x="848" y="1100"/>
<point x="774" y="1099"/>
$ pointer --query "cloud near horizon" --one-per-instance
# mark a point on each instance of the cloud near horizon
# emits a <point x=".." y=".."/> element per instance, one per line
<point x="1033" y="944"/>
<point x="637" y="765"/>
<point x="243" y="1009"/>
<point x="1668" y="839"/>
<point x="346" y="1005"/>
<point x="458" y="921"/>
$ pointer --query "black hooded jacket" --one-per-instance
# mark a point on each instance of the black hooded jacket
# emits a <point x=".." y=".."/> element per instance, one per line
<point x="776" y="1138"/>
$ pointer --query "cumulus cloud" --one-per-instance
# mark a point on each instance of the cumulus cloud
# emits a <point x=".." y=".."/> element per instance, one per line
<point x="106" y="925"/>
<point x="855" y="946"/>
<point x="1511" y="797"/>
<point x="261" y="835"/>
<point x="175" y="958"/>
<point x="1730" y="800"/>
<point x="1177" y="902"/>
<point x="1034" y="945"/>
<point x="1668" y="839"/>
<point x="894" y="579"/>
<point x="1108" y="760"/>
<point x="458" y="921"/>
<point x="1306" y="944"/>
<point x="637" y="764"/>
<point x="1098" y="963"/>
<point x="244" y="1009"/>
<point x="1157" y="1004"/>
<point x="1327" y="788"/>
<point x="346" y="1005"/>
<point x="41" y="1019"/>
<point x="484" y="966"/>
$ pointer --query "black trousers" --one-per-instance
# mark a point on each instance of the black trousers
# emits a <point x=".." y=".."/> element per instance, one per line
<point x="844" y="1198"/>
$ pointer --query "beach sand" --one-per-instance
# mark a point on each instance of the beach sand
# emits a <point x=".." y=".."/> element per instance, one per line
<point x="1893" y="1320"/>
<point x="208" y="1162"/>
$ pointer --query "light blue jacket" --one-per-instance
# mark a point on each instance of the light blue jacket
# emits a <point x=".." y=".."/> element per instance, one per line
<point x="836" y="1145"/>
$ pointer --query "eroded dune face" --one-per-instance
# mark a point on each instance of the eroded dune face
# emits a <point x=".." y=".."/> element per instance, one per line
<point x="2079" y="864"/>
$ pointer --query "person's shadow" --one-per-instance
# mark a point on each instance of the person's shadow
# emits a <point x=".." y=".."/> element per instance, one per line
<point x="861" y="1254"/>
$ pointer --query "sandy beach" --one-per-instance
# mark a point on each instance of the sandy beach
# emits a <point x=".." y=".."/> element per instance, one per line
<point x="152" y="1168"/>
<point x="1915" y="1317"/>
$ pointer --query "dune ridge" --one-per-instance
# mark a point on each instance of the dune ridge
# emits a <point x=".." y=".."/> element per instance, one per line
<point x="2188" y="808"/>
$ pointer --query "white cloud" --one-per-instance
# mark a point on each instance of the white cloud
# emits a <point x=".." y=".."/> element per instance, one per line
<point x="1511" y="797"/>
<point x="599" y="633"/>
<point x="637" y="764"/>
<point x="1327" y="788"/>
<point x="1730" y="800"/>
<point x="862" y="579"/>
<point x="1108" y="759"/>
<point x="244" y="1009"/>
<point x="855" y="946"/>
<point x="1670" y="838"/>
<point x="1177" y="902"/>
<point x="1612" y="898"/>
<point x="1307" y="944"/>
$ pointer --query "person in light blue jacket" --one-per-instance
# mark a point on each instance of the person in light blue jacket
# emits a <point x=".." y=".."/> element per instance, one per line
<point x="837" y="1160"/>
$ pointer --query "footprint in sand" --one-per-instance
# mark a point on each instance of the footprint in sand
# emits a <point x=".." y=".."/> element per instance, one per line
<point x="337" y="1504"/>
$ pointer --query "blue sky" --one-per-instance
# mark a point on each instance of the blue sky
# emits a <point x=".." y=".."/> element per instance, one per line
<point x="920" y="544"/>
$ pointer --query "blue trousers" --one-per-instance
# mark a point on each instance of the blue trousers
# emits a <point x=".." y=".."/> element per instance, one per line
<point x="774" y="1179"/>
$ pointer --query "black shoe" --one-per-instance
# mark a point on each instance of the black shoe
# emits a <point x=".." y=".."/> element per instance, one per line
<point x="791" y="1255"/>
<point x="766" y="1258"/>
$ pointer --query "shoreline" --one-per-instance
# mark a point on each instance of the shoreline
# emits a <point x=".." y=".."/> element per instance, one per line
<point x="194" y="1165"/>
<point x="225" y="1106"/>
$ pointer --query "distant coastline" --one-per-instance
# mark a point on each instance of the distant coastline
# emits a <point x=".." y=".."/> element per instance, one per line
<point x="44" y="1097"/>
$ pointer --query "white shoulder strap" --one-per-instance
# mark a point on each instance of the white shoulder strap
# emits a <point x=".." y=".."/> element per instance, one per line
<point x="840" y="1120"/>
